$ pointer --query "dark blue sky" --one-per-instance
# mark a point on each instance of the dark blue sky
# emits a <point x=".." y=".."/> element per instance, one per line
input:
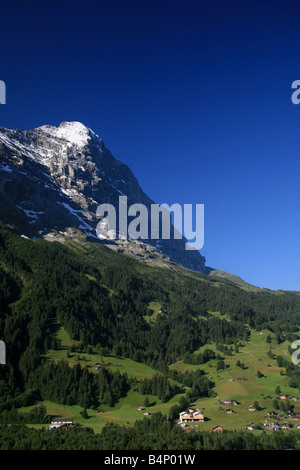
<point x="195" y="96"/>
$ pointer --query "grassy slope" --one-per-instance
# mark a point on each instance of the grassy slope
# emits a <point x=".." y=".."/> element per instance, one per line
<point x="154" y="307"/>
<point x="253" y="354"/>
<point x="132" y="368"/>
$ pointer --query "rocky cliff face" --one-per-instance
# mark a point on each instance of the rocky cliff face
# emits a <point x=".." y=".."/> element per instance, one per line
<point x="52" y="178"/>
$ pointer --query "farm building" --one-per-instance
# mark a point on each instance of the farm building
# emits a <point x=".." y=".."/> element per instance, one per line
<point x="251" y="426"/>
<point x="61" y="423"/>
<point x="282" y="396"/>
<point x="217" y="428"/>
<point x="191" y="416"/>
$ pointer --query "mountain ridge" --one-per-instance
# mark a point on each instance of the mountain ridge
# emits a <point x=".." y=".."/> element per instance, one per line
<point x="53" y="178"/>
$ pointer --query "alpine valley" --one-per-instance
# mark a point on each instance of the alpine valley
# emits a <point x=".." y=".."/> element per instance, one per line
<point x="127" y="344"/>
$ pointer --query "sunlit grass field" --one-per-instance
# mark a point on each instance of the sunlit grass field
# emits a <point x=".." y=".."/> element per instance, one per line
<point x="233" y="383"/>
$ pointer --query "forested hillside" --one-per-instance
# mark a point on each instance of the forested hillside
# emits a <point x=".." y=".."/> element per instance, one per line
<point x="102" y="298"/>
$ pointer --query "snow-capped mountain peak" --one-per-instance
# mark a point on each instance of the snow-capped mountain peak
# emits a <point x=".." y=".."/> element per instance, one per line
<point x="74" y="132"/>
<point x="52" y="178"/>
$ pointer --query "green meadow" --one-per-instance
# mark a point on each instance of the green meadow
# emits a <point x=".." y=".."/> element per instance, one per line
<point x="155" y="310"/>
<point x="243" y="385"/>
<point x="233" y="383"/>
<point x="132" y="368"/>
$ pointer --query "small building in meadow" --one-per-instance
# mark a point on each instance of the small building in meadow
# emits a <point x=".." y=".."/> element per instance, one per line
<point x="251" y="426"/>
<point x="217" y="428"/>
<point x="61" y="423"/>
<point x="228" y="410"/>
<point x="228" y="402"/>
<point x="282" y="396"/>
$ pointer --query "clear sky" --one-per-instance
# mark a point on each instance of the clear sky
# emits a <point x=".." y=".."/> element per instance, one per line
<point x="195" y="96"/>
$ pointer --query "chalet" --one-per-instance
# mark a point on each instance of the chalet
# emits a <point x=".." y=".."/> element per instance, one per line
<point x="217" y="428"/>
<point x="282" y="396"/>
<point x="285" y="426"/>
<point x="228" y="410"/>
<point x="141" y="408"/>
<point x="61" y="423"/>
<point x="250" y="426"/>
<point x="226" y="402"/>
<point x="252" y="408"/>
<point x="298" y="426"/>
<point x="191" y="416"/>
<point x="146" y="413"/>
<point x="294" y="398"/>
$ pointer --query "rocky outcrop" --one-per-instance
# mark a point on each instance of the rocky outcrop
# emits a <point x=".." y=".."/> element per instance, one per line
<point x="52" y="178"/>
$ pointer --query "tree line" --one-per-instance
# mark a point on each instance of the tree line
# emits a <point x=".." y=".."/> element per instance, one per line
<point x="156" y="432"/>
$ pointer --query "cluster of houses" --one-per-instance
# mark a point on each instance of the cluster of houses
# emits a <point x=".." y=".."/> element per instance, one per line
<point x="275" y="415"/>
<point x="278" y="421"/>
<point x="194" y="415"/>
<point x="281" y="396"/>
<point x="272" y="426"/>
